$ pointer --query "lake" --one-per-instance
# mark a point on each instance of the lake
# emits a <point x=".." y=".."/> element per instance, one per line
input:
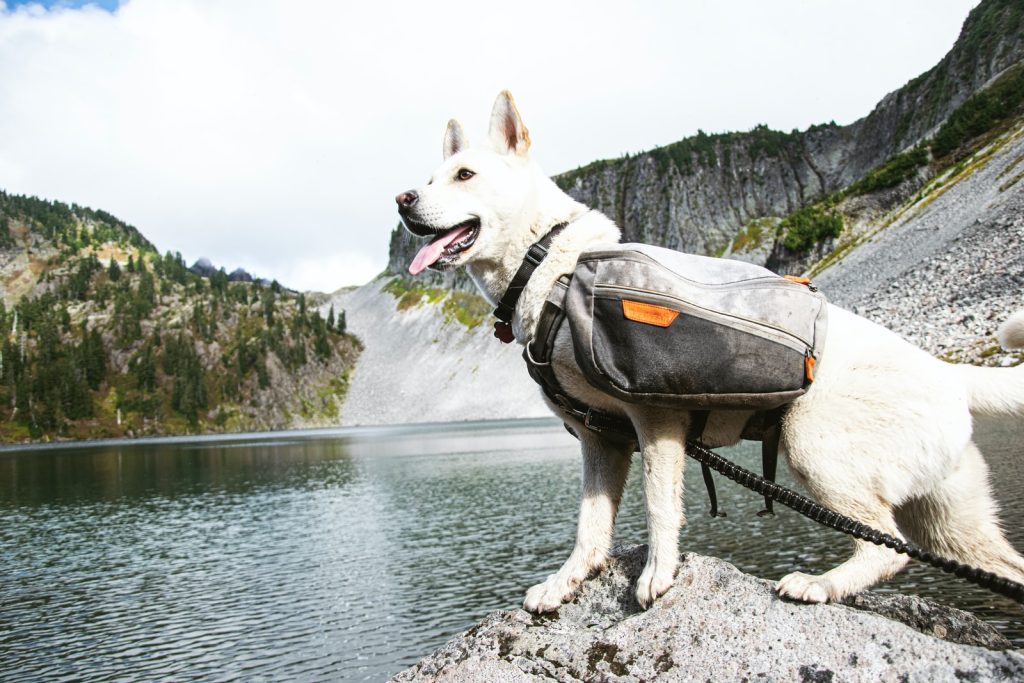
<point x="345" y="555"/>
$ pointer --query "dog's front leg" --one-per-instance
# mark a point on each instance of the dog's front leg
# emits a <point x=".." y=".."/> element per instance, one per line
<point x="605" y="466"/>
<point x="662" y="434"/>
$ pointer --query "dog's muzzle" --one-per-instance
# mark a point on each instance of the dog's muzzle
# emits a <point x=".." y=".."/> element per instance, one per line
<point x="406" y="205"/>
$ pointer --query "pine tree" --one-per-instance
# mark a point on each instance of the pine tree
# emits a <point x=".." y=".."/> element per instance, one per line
<point x="268" y="307"/>
<point x="114" y="270"/>
<point x="330" y="318"/>
<point x="144" y="369"/>
<point x="342" y="325"/>
<point x="94" y="358"/>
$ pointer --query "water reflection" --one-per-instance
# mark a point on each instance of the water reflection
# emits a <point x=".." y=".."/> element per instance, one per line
<point x="341" y="557"/>
<point x="137" y="472"/>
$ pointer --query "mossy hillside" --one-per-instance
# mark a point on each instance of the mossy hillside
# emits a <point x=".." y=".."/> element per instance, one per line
<point x="465" y="308"/>
<point x="981" y="114"/>
<point x="751" y="237"/>
<point x="411" y="294"/>
<point x="973" y="126"/>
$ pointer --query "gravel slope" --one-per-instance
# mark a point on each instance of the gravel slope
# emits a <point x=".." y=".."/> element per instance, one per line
<point x="946" y="274"/>
<point x="418" y="367"/>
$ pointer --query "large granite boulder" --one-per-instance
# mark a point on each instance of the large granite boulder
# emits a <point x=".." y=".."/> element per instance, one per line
<point x="719" y="624"/>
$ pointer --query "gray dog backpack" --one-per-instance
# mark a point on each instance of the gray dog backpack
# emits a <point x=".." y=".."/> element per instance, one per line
<point x="659" y="327"/>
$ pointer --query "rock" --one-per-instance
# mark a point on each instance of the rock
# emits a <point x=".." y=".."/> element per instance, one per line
<point x="717" y="623"/>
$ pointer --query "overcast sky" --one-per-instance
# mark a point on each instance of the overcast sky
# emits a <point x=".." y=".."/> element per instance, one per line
<point x="274" y="135"/>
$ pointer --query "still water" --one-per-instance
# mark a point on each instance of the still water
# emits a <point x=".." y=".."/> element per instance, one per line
<point x="342" y="555"/>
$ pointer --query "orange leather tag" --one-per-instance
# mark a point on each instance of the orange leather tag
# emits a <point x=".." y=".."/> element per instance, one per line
<point x="797" y="279"/>
<point x="659" y="316"/>
<point x="809" y="367"/>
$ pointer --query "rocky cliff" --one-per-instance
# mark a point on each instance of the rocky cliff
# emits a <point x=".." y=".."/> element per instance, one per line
<point x="719" y="624"/>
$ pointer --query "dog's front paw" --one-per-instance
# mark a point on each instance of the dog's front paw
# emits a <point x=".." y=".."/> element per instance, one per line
<point x="804" y="587"/>
<point x="654" y="582"/>
<point x="548" y="596"/>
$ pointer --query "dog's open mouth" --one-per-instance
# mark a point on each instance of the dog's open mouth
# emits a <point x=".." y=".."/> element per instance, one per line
<point x="443" y="251"/>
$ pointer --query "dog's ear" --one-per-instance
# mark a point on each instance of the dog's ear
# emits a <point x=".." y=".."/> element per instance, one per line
<point x="508" y="134"/>
<point x="454" y="139"/>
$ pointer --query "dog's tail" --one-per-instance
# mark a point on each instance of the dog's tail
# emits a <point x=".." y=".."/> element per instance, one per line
<point x="998" y="391"/>
<point x="1011" y="332"/>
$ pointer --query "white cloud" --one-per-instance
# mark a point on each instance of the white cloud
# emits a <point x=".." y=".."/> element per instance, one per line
<point x="273" y="135"/>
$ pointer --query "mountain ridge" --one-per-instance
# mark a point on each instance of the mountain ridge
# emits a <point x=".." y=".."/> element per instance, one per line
<point x="699" y="194"/>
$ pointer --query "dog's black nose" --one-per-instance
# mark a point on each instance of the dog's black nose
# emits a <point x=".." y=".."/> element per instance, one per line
<point x="407" y="199"/>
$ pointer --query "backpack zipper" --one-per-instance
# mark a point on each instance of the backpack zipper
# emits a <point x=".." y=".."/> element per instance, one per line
<point x="785" y="337"/>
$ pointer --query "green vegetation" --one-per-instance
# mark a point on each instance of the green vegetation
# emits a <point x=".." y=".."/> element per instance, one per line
<point x="464" y="308"/>
<point x="74" y="226"/>
<point x="703" y="149"/>
<point x="470" y="310"/>
<point x="566" y="180"/>
<point x="411" y="294"/>
<point x="752" y="235"/>
<point x="806" y="227"/>
<point x="138" y="341"/>
<point x="891" y="173"/>
<point x="981" y="113"/>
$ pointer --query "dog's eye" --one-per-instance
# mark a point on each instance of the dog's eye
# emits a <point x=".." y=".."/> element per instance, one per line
<point x="464" y="174"/>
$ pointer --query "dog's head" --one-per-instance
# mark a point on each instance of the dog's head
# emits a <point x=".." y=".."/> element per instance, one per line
<point x="475" y="196"/>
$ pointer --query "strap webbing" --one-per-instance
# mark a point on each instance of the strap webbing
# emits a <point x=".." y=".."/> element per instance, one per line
<point x="534" y="255"/>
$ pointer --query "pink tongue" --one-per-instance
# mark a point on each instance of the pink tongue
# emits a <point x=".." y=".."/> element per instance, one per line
<point x="431" y="251"/>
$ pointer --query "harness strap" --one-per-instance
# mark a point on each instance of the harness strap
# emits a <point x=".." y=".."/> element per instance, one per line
<point x="696" y="433"/>
<point x="770" y="457"/>
<point x="534" y="255"/>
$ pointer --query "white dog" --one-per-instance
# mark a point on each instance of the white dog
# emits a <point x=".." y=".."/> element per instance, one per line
<point x="882" y="435"/>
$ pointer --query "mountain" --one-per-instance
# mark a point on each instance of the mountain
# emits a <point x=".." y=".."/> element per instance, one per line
<point x="912" y="216"/>
<point x="203" y="267"/>
<point x="102" y="336"/>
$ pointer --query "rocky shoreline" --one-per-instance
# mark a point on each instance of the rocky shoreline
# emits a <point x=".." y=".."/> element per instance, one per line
<point x="717" y="623"/>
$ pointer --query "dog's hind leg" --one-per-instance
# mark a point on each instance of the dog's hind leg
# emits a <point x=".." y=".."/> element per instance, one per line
<point x="661" y="442"/>
<point x="605" y="467"/>
<point x="869" y="564"/>
<point x="959" y="520"/>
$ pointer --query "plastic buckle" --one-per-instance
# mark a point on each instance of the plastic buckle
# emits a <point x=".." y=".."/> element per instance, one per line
<point x="588" y="422"/>
<point x="536" y="254"/>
